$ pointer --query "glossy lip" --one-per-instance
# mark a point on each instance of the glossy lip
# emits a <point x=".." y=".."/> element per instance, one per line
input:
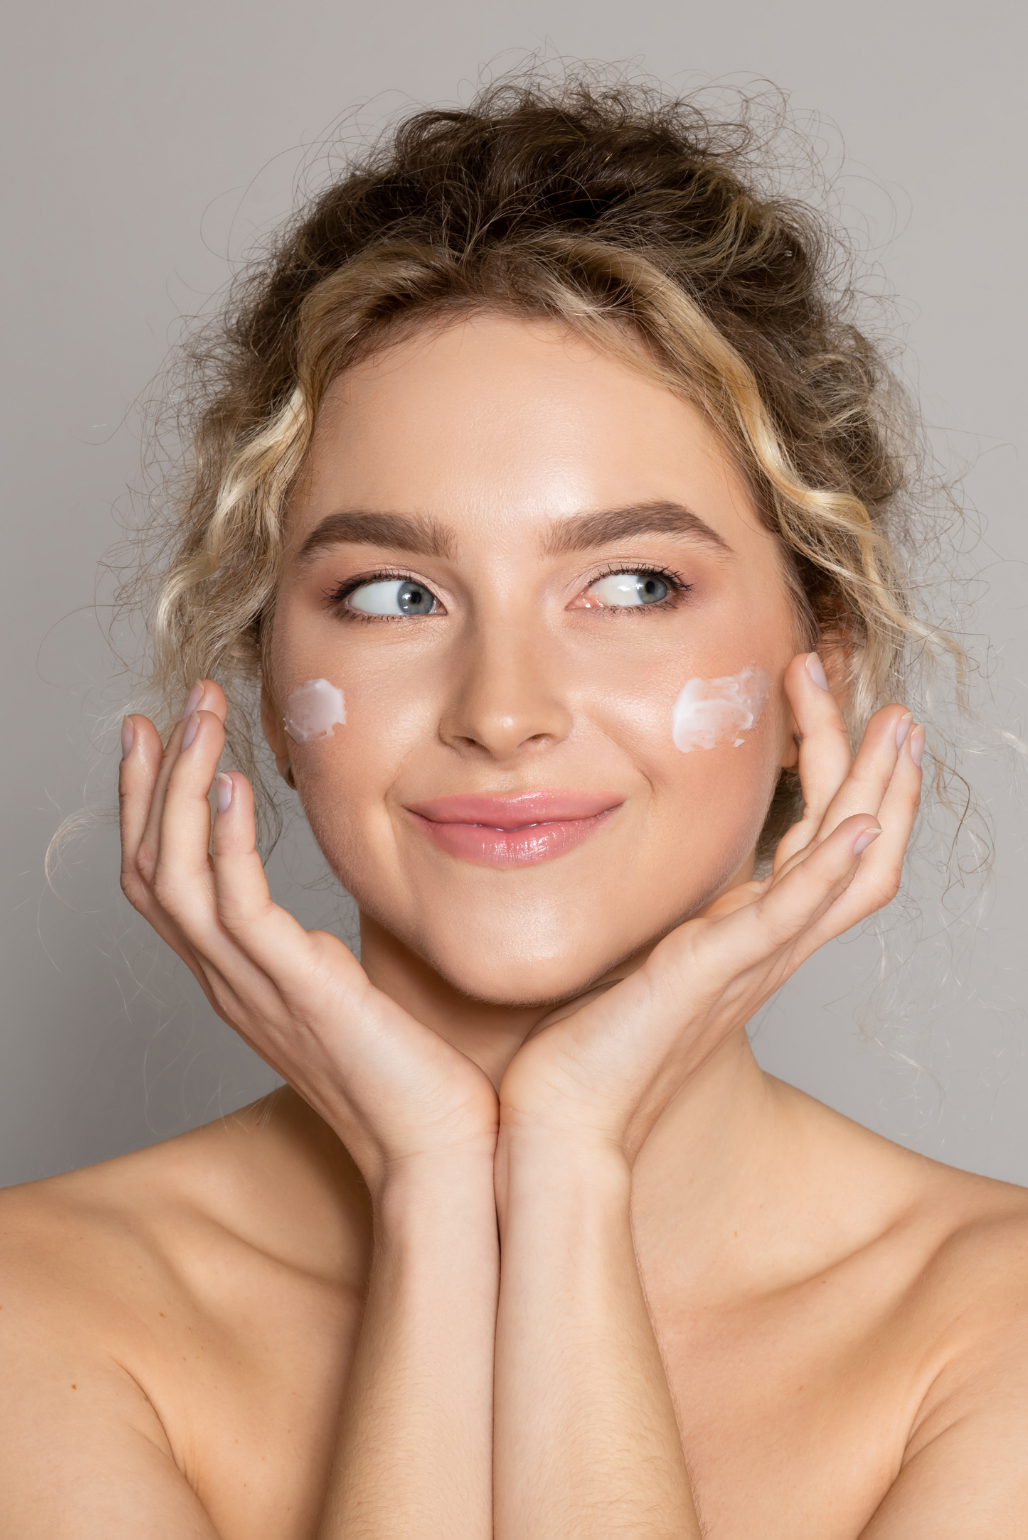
<point x="520" y="830"/>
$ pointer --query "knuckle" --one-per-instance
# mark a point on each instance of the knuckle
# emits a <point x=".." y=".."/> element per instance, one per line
<point x="166" y="890"/>
<point x="133" y="887"/>
<point x="885" y="889"/>
<point x="241" y="911"/>
<point x="233" y="913"/>
<point x="146" y="864"/>
<point x="777" y="925"/>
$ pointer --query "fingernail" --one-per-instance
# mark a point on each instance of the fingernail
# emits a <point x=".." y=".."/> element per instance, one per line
<point x="862" y="841"/>
<point x="903" y="727"/>
<point x="223" y="784"/>
<point x="917" y="739"/>
<point x="815" y="668"/>
<point x="128" y="737"/>
<point x="191" y="729"/>
<point x="193" y="699"/>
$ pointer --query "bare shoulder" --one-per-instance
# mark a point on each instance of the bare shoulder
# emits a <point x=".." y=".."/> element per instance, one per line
<point x="975" y="1235"/>
<point x="267" y="1187"/>
<point x="964" y="1463"/>
<point x="942" y="1275"/>
<point x="972" y="1286"/>
<point x="150" y="1300"/>
<point x="935" y="1235"/>
<point x="929" y="1263"/>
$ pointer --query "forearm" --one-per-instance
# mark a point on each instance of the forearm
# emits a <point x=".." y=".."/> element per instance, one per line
<point x="586" y="1440"/>
<point x="415" y="1445"/>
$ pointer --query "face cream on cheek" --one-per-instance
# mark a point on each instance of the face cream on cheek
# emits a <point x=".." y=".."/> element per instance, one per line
<point x="712" y="711"/>
<point x="314" y="710"/>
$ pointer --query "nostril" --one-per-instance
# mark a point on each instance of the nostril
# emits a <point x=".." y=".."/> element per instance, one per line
<point x="502" y="706"/>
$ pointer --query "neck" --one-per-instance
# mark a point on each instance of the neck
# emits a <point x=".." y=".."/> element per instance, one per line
<point x="706" y="1136"/>
<point x="730" y="1160"/>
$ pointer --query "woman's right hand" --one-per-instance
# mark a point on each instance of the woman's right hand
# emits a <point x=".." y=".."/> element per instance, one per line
<point x="392" y="1089"/>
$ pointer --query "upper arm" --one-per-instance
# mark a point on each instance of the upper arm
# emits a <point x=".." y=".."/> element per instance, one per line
<point x="966" y="1472"/>
<point x="95" y="1483"/>
<point x="83" y="1455"/>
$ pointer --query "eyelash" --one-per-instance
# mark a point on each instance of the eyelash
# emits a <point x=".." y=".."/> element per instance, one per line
<point x="336" y="597"/>
<point x="677" y="587"/>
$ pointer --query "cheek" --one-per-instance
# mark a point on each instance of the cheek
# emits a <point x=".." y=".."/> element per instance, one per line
<point x="709" y="746"/>
<point x="376" y="721"/>
<point x="686" y="700"/>
<point x="314" y="710"/>
<point x="710" y="712"/>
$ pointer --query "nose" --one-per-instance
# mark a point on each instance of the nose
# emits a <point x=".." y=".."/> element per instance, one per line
<point x="507" y="700"/>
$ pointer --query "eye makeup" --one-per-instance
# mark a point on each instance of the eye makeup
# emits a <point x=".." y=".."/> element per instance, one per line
<point x="708" y="712"/>
<point x="382" y="596"/>
<point x="627" y="586"/>
<point x="314" y="710"/>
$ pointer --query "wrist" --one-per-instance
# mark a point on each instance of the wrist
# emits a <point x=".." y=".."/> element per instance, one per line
<point x="572" y="1145"/>
<point x="568" y="1169"/>
<point x="436" y="1183"/>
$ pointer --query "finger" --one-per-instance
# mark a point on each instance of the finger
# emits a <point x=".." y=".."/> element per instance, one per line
<point x="794" y="902"/>
<point x="864" y="788"/>
<point x="242" y="895"/>
<point x="290" y="957"/>
<point x="141" y="756"/>
<point x="877" y="880"/>
<point x="204" y="696"/>
<point x="184" y="886"/>
<point x="142" y="752"/>
<point x="183" y="879"/>
<point x="172" y="885"/>
<point x="261" y="944"/>
<point x="824" y="755"/>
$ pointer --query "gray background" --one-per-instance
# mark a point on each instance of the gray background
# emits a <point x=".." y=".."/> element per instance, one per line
<point x="147" y="143"/>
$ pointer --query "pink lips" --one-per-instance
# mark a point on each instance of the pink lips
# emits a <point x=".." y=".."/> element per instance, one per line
<point x="512" y="831"/>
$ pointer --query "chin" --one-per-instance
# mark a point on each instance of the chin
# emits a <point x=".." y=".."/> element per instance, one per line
<point x="506" y="986"/>
<point x="519" y="962"/>
<point x="507" y="991"/>
<point x="537" y="936"/>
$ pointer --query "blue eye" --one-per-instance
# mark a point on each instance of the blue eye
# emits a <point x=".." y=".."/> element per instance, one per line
<point x="395" y="596"/>
<point x="619" y="589"/>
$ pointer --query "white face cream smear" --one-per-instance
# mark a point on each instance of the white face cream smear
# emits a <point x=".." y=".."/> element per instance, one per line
<point x="712" y="711"/>
<point x="314" y="710"/>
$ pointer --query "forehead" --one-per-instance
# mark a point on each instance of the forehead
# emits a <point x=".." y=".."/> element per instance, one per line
<point x="495" y="423"/>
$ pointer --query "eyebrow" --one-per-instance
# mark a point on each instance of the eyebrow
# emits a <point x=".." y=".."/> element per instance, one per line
<point x="421" y="536"/>
<point x="585" y="531"/>
<point x="402" y="531"/>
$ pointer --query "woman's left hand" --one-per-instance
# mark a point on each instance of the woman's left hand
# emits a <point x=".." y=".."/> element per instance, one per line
<point x="609" y="1068"/>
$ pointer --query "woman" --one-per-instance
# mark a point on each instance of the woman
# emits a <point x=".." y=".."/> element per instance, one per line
<point x="557" y="510"/>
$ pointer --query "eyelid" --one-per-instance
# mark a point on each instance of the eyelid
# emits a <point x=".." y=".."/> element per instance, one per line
<point x="337" y="595"/>
<point x="677" y="587"/>
<point x="674" y="579"/>
<point x="379" y="575"/>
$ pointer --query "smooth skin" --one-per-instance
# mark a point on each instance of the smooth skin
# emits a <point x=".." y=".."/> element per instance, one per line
<point x="528" y="1245"/>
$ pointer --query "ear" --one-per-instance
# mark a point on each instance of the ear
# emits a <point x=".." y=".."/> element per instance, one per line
<point x="835" y="649"/>
<point x="275" y="733"/>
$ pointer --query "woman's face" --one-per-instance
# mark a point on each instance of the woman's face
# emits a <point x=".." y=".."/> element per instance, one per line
<point x="510" y="555"/>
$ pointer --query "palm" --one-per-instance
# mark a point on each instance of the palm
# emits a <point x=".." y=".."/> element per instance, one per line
<point x="615" y="1063"/>
<point x="389" y="1086"/>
